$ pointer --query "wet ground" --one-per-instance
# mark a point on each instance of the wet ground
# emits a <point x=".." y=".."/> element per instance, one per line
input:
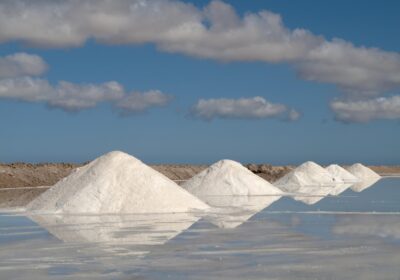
<point x="353" y="235"/>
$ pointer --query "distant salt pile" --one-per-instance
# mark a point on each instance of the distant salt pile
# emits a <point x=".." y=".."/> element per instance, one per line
<point x="227" y="177"/>
<point x="307" y="174"/>
<point x="362" y="172"/>
<point x="341" y="175"/>
<point x="116" y="183"/>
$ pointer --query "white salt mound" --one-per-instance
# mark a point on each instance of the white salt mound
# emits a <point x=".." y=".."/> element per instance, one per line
<point x="228" y="177"/>
<point x="341" y="175"/>
<point x="116" y="183"/>
<point x="362" y="172"/>
<point x="307" y="174"/>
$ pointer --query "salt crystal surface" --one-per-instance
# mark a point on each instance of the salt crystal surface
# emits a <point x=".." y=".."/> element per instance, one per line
<point x="116" y="183"/>
<point x="341" y="175"/>
<point x="307" y="174"/>
<point x="227" y="177"/>
<point x="362" y="172"/>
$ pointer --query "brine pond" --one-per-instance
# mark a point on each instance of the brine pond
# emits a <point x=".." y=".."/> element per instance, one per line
<point x="353" y="234"/>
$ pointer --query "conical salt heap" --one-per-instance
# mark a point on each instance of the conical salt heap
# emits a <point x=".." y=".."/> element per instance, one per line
<point x="341" y="175"/>
<point x="307" y="174"/>
<point x="228" y="177"/>
<point x="362" y="172"/>
<point x="116" y="183"/>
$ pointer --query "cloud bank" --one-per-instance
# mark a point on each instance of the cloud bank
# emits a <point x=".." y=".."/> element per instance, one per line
<point x="382" y="108"/>
<point x="242" y="108"/>
<point x="214" y="32"/>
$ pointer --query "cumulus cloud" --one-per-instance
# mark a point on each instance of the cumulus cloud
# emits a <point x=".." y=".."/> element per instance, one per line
<point x="21" y="64"/>
<point x="242" y="108"/>
<point x="76" y="97"/>
<point x="366" y="110"/>
<point x="357" y="71"/>
<point x="137" y="102"/>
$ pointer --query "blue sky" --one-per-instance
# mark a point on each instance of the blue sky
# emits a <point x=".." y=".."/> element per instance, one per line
<point x="154" y="112"/>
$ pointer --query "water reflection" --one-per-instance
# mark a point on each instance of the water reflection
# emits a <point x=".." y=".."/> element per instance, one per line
<point x="363" y="185"/>
<point x="232" y="211"/>
<point x="312" y="194"/>
<point x="384" y="226"/>
<point x="346" y="240"/>
<point x="124" y="231"/>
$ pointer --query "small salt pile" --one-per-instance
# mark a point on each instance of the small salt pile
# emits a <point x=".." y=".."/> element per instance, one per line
<point x="341" y="175"/>
<point x="307" y="174"/>
<point x="362" y="172"/>
<point x="228" y="177"/>
<point x="116" y="183"/>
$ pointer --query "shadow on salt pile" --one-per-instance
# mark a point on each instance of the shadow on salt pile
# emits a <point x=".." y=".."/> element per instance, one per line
<point x="232" y="211"/>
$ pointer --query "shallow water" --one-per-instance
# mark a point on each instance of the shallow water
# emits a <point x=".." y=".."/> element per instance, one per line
<point x="355" y="235"/>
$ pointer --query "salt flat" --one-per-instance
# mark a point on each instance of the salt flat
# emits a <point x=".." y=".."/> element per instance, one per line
<point x="354" y="235"/>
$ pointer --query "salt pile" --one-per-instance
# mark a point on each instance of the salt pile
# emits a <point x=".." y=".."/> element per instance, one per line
<point x="362" y="172"/>
<point x="228" y="177"/>
<point x="116" y="183"/>
<point x="307" y="174"/>
<point x="341" y="175"/>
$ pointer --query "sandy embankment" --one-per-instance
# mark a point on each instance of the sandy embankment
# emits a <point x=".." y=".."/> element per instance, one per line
<point x="28" y="180"/>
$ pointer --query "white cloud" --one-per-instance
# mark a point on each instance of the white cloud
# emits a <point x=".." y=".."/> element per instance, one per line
<point x="137" y="102"/>
<point x="357" y="71"/>
<point x="366" y="110"/>
<point x="77" y="97"/>
<point x="66" y="96"/>
<point x="242" y="108"/>
<point x="21" y="64"/>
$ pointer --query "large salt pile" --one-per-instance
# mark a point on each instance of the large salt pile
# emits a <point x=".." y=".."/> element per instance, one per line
<point x="116" y="183"/>
<point x="362" y="172"/>
<point x="228" y="177"/>
<point x="341" y="175"/>
<point x="307" y="174"/>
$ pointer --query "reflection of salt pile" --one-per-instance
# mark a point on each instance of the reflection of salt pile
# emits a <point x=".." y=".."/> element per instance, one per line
<point x="365" y="184"/>
<point x="307" y="174"/>
<point x="362" y="172"/>
<point x="149" y="229"/>
<point x="227" y="177"/>
<point x="312" y="194"/>
<point x="116" y="183"/>
<point x="232" y="211"/>
<point x="341" y="175"/>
